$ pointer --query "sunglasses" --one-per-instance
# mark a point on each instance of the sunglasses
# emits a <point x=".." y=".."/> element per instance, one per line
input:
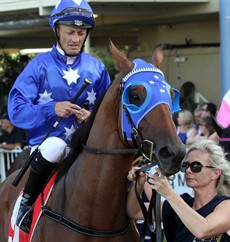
<point x="195" y="166"/>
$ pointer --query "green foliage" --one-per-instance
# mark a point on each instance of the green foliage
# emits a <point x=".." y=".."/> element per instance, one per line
<point x="107" y="59"/>
<point x="10" y="68"/>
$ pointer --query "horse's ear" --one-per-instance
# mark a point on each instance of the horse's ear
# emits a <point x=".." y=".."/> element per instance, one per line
<point x="218" y="128"/>
<point x="157" y="56"/>
<point x="122" y="63"/>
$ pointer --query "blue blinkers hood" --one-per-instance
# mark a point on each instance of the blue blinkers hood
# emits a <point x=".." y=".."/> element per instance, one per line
<point x="157" y="92"/>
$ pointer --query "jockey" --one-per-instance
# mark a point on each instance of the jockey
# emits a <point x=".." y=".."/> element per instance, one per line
<point x="43" y="92"/>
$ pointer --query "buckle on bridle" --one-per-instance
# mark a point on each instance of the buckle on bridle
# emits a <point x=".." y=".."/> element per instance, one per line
<point x="151" y="151"/>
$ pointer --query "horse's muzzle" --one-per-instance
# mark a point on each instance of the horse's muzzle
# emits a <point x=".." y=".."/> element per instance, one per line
<point x="169" y="159"/>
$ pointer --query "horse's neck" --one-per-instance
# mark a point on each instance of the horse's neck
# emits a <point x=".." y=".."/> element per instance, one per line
<point x="99" y="187"/>
<point x="99" y="190"/>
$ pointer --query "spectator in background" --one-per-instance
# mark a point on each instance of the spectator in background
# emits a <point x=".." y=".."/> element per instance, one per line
<point x="208" y="109"/>
<point x="206" y="128"/>
<point x="12" y="137"/>
<point x="185" y="125"/>
<point x="197" y="116"/>
<point x="223" y="116"/>
<point x="189" y="97"/>
<point x="24" y="60"/>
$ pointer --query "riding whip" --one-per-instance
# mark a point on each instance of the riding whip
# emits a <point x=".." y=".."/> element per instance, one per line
<point x="21" y="173"/>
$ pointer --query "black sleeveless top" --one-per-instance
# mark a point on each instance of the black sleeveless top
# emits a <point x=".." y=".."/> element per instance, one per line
<point x="174" y="229"/>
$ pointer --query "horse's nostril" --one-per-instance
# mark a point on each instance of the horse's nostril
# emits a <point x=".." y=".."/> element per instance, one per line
<point x="166" y="152"/>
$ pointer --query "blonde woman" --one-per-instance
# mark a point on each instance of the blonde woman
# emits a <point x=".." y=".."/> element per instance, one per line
<point x="206" y="215"/>
<point x="185" y="125"/>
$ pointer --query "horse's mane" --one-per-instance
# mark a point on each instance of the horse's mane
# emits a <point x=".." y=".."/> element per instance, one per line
<point x="79" y="138"/>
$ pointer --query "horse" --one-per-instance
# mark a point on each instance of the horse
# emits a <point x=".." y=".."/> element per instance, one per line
<point x="90" y="191"/>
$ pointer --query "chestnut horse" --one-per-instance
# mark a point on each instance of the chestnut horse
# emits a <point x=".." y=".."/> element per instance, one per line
<point x="135" y="116"/>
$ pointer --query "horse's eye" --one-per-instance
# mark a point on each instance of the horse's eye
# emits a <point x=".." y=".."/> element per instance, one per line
<point x="135" y="99"/>
<point x="137" y="95"/>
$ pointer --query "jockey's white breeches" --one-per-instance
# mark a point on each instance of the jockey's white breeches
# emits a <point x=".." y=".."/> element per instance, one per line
<point x="53" y="149"/>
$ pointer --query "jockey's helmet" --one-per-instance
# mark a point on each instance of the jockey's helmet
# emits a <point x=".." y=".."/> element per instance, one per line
<point x="76" y="13"/>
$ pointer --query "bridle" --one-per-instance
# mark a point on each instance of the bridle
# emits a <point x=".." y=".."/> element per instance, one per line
<point x="137" y="140"/>
<point x="154" y="208"/>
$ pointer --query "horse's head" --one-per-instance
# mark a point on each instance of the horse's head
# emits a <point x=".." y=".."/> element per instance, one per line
<point x="148" y="103"/>
<point x="224" y="136"/>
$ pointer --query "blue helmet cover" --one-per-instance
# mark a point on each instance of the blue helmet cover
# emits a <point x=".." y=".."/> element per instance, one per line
<point x="68" y="10"/>
<point x="157" y="90"/>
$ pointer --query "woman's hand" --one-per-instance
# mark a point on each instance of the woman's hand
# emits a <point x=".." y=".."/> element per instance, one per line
<point x="133" y="207"/>
<point x="160" y="183"/>
<point x="132" y="176"/>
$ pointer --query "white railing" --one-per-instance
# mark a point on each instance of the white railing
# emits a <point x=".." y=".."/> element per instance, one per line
<point x="7" y="157"/>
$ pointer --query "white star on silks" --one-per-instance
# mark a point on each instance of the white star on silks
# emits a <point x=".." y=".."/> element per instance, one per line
<point x="69" y="132"/>
<point x="45" y="97"/>
<point x="71" y="76"/>
<point x="57" y="4"/>
<point x="91" y="97"/>
<point x="78" y="2"/>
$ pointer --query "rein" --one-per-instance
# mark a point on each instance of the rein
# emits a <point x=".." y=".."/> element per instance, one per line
<point x="110" y="151"/>
<point x="154" y="208"/>
<point x="59" y="218"/>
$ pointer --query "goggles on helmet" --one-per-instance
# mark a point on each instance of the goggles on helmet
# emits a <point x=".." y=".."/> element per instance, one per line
<point x="75" y="11"/>
<point x="76" y="23"/>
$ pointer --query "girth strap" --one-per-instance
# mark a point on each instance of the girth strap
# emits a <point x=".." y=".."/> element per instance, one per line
<point x="83" y="230"/>
<point x="110" y="151"/>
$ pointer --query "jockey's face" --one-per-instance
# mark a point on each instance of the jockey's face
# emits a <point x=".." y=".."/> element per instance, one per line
<point x="71" y="39"/>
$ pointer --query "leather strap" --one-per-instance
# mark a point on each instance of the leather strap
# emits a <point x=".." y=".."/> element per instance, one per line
<point x="154" y="207"/>
<point x="110" y="151"/>
<point x="83" y="230"/>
